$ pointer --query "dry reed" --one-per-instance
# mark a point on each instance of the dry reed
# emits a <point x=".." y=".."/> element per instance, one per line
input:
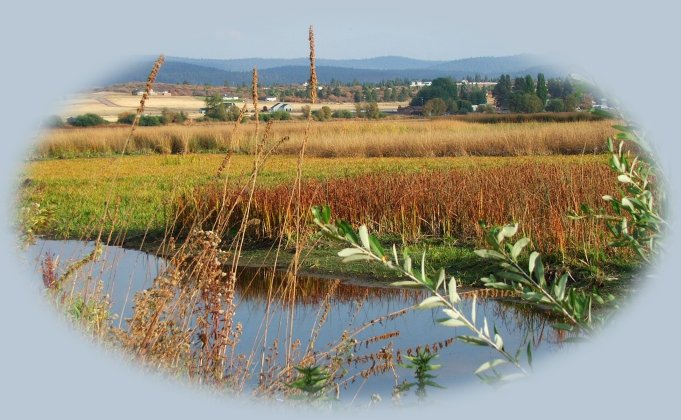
<point x="438" y="203"/>
<point x="393" y="138"/>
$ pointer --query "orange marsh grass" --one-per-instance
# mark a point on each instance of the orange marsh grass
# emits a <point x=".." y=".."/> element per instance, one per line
<point x="348" y="138"/>
<point x="442" y="203"/>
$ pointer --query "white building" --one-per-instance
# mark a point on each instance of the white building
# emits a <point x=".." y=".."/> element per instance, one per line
<point x="281" y="106"/>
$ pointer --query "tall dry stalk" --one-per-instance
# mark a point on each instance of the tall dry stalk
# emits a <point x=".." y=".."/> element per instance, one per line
<point x="299" y="211"/>
<point x="147" y="91"/>
<point x="254" y="96"/>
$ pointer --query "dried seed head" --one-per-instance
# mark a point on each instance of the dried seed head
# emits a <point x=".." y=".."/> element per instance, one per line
<point x="313" y="71"/>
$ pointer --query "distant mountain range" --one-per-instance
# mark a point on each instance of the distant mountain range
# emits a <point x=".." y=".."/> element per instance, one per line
<point x="295" y="70"/>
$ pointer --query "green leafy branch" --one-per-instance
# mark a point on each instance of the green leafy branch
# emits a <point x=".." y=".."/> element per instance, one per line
<point x="366" y="247"/>
<point x="573" y="305"/>
<point x="636" y="220"/>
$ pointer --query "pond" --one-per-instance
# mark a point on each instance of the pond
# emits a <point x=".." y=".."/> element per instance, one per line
<point x="323" y="308"/>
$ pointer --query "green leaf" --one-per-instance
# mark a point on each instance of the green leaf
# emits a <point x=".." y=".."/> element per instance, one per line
<point x="533" y="261"/>
<point x="512" y="277"/>
<point x="364" y="236"/>
<point x="440" y="279"/>
<point x="431" y="302"/>
<point x="453" y="295"/>
<point x="316" y="213"/>
<point x="500" y="286"/>
<point x="346" y="231"/>
<point x="353" y="258"/>
<point x="518" y="247"/>
<point x="508" y="231"/>
<point x="559" y="289"/>
<point x="472" y="340"/>
<point x="449" y="322"/>
<point x="498" y="341"/>
<point x="473" y="309"/>
<point x="407" y="264"/>
<point x="529" y="353"/>
<point x="349" y="251"/>
<point x="538" y="269"/>
<point x="533" y="296"/>
<point x="326" y="214"/>
<point x="489" y="365"/>
<point x="624" y="179"/>
<point x="489" y="253"/>
<point x="406" y="283"/>
<point x="376" y="247"/>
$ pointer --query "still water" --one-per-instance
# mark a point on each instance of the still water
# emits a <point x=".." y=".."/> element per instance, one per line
<point x="351" y="305"/>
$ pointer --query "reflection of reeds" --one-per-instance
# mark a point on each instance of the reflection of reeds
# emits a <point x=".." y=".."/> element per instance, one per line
<point x="254" y="285"/>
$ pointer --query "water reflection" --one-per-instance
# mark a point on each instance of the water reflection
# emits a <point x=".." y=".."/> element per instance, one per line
<point x="278" y="316"/>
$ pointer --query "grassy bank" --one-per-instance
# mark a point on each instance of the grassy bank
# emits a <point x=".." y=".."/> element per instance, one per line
<point x="352" y="138"/>
<point x="403" y="197"/>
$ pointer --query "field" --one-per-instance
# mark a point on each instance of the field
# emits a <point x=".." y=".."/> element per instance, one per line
<point x="408" y="198"/>
<point x="109" y="104"/>
<point x="348" y="138"/>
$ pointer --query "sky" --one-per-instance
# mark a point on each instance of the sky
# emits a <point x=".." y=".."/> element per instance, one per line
<point x="52" y="49"/>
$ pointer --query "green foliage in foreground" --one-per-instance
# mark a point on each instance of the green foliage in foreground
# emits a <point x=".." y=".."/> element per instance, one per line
<point x="636" y="220"/>
<point x="573" y="307"/>
<point x="313" y="381"/>
<point x="421" y="365"/>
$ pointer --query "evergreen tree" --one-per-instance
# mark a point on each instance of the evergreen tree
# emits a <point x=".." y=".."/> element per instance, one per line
<point x="542" y="89"/>
<point x="502" y="91"/>
<point x="519" y="85"/>
<point x="529" y="84"/>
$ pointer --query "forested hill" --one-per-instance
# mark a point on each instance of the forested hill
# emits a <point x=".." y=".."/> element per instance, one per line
<point x="292" y="71"/>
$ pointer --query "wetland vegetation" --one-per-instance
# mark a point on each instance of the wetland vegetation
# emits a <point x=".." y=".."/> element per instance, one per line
<point x="246" y="286"/>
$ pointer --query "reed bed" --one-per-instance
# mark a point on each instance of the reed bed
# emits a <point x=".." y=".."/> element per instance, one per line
<point x="436" y="203"/>
<point x="357" y="138"/>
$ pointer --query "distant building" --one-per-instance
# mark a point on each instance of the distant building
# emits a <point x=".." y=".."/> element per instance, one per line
<point x="281" y="106"/>
<point x="140" y="92"/>
<point x="230" y="98"/>
<point x="419" y="83"/>
<point x="271" y="99"/>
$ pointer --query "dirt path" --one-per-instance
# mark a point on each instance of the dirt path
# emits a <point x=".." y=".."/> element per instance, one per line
<point x="107" y="102"/>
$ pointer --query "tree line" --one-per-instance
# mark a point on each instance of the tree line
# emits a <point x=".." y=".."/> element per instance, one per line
<point x="527" y="95"/>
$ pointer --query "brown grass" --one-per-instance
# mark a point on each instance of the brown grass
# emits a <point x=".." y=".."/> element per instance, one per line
<point x="356" y="138"/>
<point x="437" y="203"/>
